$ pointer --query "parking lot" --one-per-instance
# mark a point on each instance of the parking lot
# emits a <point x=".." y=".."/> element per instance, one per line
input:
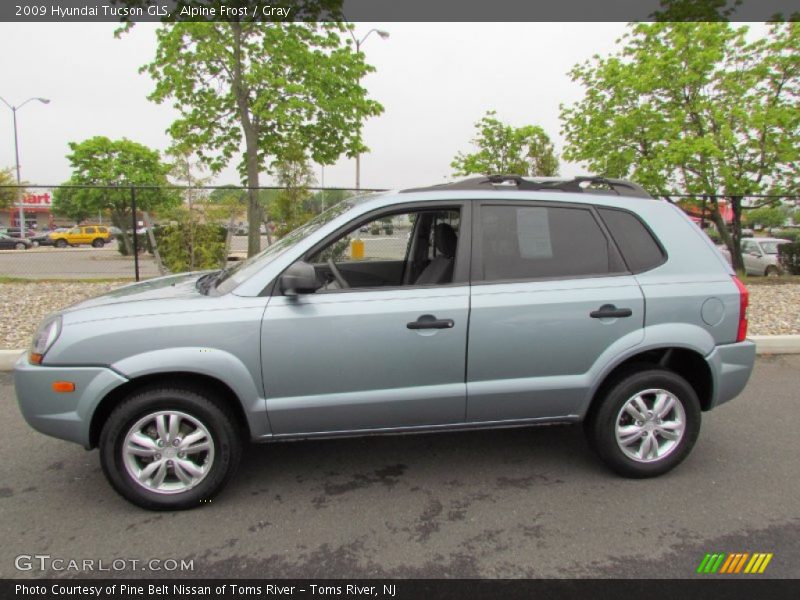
<point x="85" y="262"/>
<point x="504" y="503"/>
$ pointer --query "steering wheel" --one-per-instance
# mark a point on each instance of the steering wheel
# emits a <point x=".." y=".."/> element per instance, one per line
<point x="337" y="275"/>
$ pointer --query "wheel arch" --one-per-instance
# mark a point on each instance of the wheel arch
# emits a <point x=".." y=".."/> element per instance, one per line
<point x="191" y="380"/>
<point x="686" y="362"/>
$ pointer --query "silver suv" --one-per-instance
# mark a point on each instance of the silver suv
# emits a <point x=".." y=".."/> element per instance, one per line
<point x="490" y="302"/>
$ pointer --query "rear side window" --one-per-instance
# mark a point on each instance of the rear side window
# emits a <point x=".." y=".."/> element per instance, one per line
<point x="88" y="230"/>
<point x="531" y="242"/>
<point x="640" y="249"/>
<point x="102" y="230"/>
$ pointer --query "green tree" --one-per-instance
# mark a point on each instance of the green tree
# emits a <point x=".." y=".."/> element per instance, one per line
<point x="264" y="87"/>
<point x="290" y="206"/>
<point x="505" y="149"/>
<point x="8" y="195"/>
<point x="111" y="168"/>
<point x="693" y="107"/>
<point x="188" y="174"/>
<point x="767" y="216"/>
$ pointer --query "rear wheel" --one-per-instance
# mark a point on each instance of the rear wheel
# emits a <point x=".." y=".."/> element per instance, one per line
<point x="772" y="271"/>
<point x="20" y="246"/>
<point x="647" y="423"/>
<point x="98" y="243"/>
<point x="168" y="448"/>
<point x="60" y="243"/>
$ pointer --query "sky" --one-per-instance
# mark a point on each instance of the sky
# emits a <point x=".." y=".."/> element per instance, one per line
<point x="435" y="81"/>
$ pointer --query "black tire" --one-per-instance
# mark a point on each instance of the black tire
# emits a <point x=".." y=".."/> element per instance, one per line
<point x="98" y="243"/>
<point x="601" y="423"/>
<point x="202" y="406"/>
<point x="20" y="246"/>
<point x="772" y="271"/>
<point x="60" y="243"/>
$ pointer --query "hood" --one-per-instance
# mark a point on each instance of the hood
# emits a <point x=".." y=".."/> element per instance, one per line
<point x="162" y="288"/>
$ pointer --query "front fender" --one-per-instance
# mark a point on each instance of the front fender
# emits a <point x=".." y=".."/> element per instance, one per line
<point x="211" y="362"/>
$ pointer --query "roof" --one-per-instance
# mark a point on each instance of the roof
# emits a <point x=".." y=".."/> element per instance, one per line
<point x="590" y="184"/>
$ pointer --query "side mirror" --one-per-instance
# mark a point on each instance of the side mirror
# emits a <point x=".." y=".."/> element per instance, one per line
<point x="300" y="278"/>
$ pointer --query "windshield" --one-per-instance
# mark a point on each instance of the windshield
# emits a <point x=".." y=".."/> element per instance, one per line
<point x="770" y="247"/>
<point x="230" y="277"/>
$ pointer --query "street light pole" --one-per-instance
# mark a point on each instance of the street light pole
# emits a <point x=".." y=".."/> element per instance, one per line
<point x="14" y="110"/>
<point x="384" y="35"/>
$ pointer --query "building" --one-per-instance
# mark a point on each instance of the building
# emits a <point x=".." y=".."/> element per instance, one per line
<point x="36" y="207"/>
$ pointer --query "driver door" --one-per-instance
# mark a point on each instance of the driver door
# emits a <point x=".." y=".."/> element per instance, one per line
<point x="380" y="351"/>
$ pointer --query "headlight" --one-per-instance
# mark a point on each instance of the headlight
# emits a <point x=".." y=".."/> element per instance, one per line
<point x="44" y="338"/>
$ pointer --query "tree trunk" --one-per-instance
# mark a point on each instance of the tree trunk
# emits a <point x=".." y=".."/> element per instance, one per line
<point x="251" y="144"/>
<point x="253" y="208"/>
<point x="729" y="239"/>
<point x="121" y="220"/>
<point x="736" y="207"/>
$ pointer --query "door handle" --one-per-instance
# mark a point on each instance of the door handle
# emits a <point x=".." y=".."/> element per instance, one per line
<point x="431" y="322"/>
<point x="609" y="311"/>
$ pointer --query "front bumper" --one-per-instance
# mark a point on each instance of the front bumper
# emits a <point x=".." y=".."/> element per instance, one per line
<point x="63" y="415"/>
<point x="731" y="366"/>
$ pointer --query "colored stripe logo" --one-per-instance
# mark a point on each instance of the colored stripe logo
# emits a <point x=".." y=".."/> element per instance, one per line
<point x="734" y="563"/>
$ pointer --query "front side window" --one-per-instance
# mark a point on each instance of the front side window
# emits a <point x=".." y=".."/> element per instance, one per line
<point x="750" y="248"/>
<point x="533" y="242"/>
<point x="395" y="249"/>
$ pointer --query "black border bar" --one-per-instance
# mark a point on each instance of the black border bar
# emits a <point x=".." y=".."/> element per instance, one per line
<point x="34" y="11"/>
<point x="709" y="587"/>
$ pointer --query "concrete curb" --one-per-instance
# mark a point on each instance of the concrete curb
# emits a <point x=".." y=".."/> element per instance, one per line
<point x="8" y="358"/>
<point x="765" y="344"/>
<point x="776" y="344"/>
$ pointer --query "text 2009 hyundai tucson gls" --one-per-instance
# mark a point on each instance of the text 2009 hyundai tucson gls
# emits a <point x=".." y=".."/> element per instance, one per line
<point x="490" y="302"/>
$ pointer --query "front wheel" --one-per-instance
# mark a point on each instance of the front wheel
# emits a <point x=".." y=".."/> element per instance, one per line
<point x="60" y="243"/>
<point x="169" y="448"/>
<point x="772" y="271"/>
<point x="20" y="246"/>
<point x="647" y="423"/>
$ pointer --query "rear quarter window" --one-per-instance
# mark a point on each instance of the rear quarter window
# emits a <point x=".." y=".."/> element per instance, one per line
<point x="639" y="248"/>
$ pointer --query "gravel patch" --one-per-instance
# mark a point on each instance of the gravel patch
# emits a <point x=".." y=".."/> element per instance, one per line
<point x="774" y="309"/>
<point x="24" y="305"/>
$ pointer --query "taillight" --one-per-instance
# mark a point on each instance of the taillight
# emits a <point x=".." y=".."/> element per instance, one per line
<point x="744" y="300"/>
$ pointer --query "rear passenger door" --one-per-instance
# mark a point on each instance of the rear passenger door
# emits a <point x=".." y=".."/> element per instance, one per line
<point x="551" y="299"/>
<point x="86" y="235"/>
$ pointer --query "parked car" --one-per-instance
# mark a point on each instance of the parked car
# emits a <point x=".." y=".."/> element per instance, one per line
<point x="8" y="242"/>
<point x="760" y="256"/>
<point x="516" y="302"/>
<point x="95" y="235"/>
<point x="37" y="238"/>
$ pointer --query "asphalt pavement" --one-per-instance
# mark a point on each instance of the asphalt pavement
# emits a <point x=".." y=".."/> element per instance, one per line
<point x="504" y="503"/>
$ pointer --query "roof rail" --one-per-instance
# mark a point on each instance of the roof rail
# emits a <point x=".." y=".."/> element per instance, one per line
<point x="590" y="184"/>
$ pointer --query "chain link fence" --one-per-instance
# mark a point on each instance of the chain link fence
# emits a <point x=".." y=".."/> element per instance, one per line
<point x="180" y="228"/>
<point x="142" y="232"/>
